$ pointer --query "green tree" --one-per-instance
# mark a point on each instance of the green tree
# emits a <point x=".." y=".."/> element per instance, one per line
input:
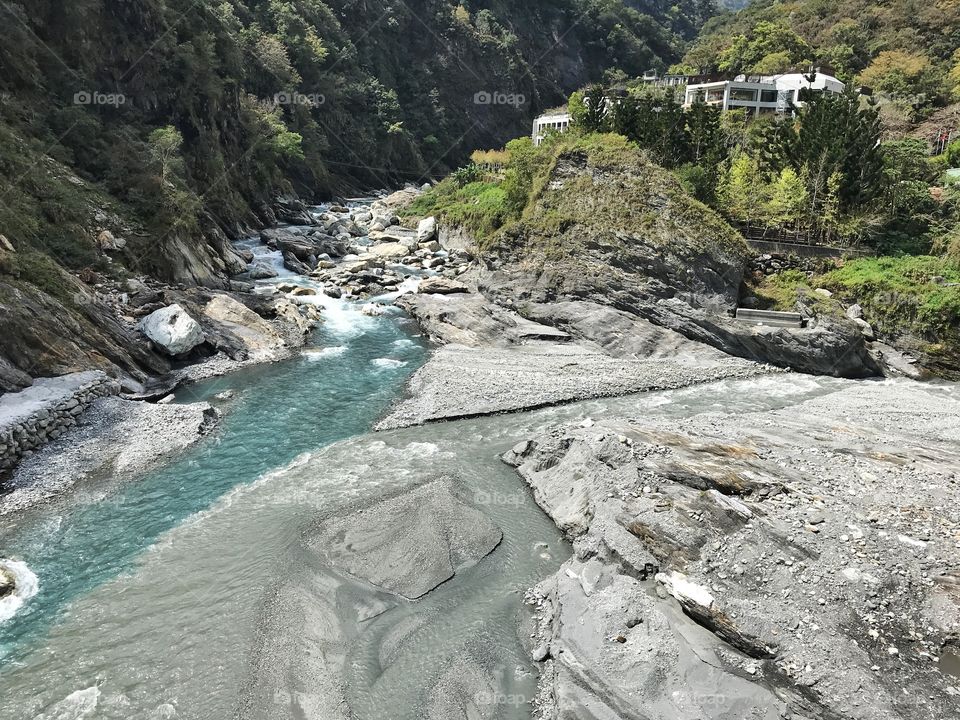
<point x="742" y="190"/>
<point x="837" y="135"/>
<point x="769" y="47"/>
<point x="595" y="116"/>
<point x="165" y="145"/>
<point x="786" y="203"/>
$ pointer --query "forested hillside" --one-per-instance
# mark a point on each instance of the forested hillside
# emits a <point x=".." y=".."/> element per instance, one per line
<point x="178" y="108"/>
<point x="906" y="51"/>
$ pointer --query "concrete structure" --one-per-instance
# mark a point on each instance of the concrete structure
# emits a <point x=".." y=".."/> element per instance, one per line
<point x="45" y="410"/>
<point x="770" y="318"/>
<point x="554" y="122"/>
<point x="762" y="95"/>
<point x="759" y="95"/>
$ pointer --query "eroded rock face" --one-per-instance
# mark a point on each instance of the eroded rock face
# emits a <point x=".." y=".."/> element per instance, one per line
<point x="172" y="329"/>
<point x="409" y="544"/>
<point x="814" y="543"/>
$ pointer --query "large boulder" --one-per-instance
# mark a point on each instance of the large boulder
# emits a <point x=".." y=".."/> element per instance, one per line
<point x="172" y="329"/>
<point x="108" y="242"/>
<point x="390" y="250"/>
<point x="427" y="230"/>
<point x="258" y="337"/>
<point x="262" y="270"/>
<point x="395" y="234"/>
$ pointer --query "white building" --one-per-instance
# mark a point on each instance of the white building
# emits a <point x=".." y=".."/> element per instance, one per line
<point x="556" y="122"/>
<point x="760" y="95"/>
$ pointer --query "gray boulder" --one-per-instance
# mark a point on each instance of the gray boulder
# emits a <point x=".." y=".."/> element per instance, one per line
<point x="7" y="582"/>
<point x="427" y="230"/>
<point x="172" y="329"/>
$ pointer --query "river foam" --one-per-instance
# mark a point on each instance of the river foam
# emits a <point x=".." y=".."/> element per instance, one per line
<point x="75" y="706"/>
<point x="26" y="587"/>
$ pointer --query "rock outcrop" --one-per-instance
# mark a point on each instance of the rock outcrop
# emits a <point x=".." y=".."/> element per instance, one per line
<point x="494" y="360"/>
<point x="355" y="571"/>
<point x="408" y="544"/>
<point x="816" y="547"/>
<point x="45" y="335"/>
<point x="611" y="228"/>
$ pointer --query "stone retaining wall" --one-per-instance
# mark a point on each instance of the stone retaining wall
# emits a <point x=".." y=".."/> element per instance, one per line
<point x="45" y="410"/>
<point x="773" y="263"/>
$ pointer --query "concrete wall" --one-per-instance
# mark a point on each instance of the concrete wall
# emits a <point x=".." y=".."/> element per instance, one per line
<point x="781" y="248"/>
<point x="42" y="412"/>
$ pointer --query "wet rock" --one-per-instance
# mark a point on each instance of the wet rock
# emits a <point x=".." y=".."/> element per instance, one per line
<point x="8" y="583"/>
<point x="373" y="309"/>
<point x="262" y="270"/>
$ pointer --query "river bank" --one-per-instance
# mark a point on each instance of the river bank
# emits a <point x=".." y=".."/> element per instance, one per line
<point x="296" y="564"/>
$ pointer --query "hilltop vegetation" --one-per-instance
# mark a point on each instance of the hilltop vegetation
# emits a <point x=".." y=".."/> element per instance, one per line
<point x="907" y="51"/>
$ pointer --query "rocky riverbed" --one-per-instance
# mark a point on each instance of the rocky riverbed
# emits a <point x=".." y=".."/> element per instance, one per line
<point x="747" y="542"/>
<point x="817" y="543"/>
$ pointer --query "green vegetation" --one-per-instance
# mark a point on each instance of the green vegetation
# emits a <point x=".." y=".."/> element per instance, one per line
<point x="907" y="52"/>
<point x="919" y="294"/>
<point x="914" y="299"/>
<point x="171" y="115"/>
<point x="823" y="177"/>
<point x="479" y="207"/>
<point x="520" y="207"/>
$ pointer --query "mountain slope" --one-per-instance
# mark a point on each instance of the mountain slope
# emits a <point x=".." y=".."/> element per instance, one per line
<point x="176" y="124"/>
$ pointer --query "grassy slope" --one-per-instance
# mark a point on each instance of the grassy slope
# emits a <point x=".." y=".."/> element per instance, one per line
<point x="644" y="198"/>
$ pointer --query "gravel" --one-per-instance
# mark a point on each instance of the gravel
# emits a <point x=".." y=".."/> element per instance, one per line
<point x="114" y="438"/>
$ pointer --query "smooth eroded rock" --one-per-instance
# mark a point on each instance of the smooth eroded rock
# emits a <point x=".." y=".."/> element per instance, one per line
<point x="410" y="543"/>
<point x="172" y="329"/>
